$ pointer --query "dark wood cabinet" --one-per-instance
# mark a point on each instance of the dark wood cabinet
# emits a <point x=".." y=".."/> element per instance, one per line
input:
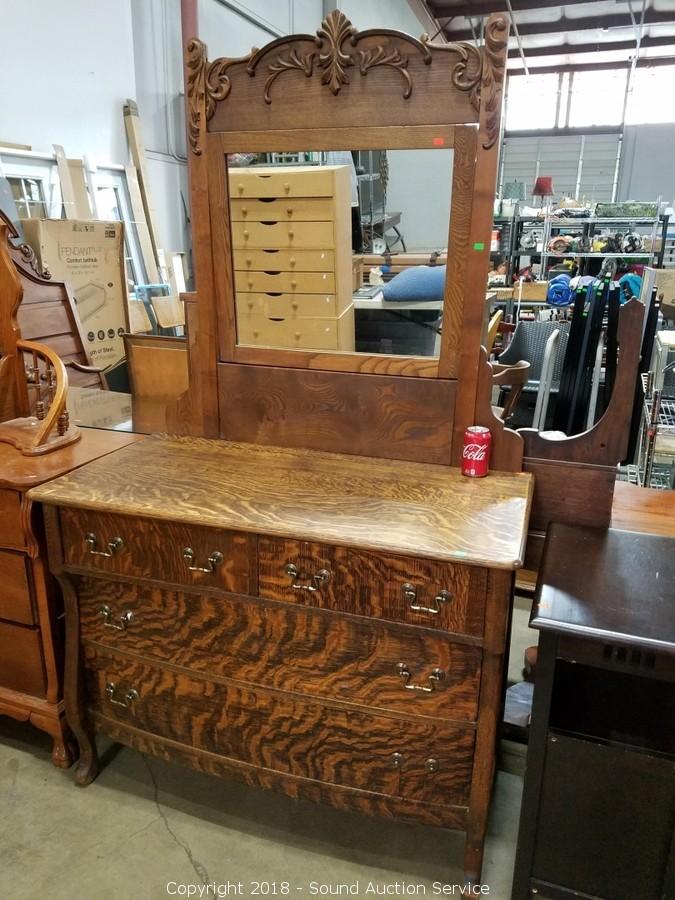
<point x="598" y="817"/>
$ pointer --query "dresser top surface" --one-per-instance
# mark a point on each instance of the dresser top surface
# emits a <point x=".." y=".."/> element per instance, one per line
<point x="606" y="584"/>
<point x="414" y="509"/>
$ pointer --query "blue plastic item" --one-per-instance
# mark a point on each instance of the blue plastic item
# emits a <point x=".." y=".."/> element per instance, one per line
<point x="559" y="293"/>
<point x="416" y="283"/>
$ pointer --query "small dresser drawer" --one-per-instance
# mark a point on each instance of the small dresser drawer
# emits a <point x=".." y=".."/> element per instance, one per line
<point x="282" y="209"/>
<point x="163" y="551"/>
<point x="288" y="306"/>
<point x="317" y="183"/>
<point x="21" y="666"/>
<point x="271" y="260"/>
<point x="303" y="334"/>
<point x="15" y="595"/>
<point x="414" y="758"/>
<point x="11" y="531"/>
<point x="285" y="235"/>
<point x="285" y="282"/>
<point x="417" y="591"/>
<point x="290" y="648"/>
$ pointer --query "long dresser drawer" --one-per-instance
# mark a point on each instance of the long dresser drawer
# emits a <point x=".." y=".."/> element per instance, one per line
<point x="279" y="209"/>
<point x="272" y="282"/>
<point x="297" y="333"/>
<point x="163" y="551"/>
<point x="272" y="260"/>
<point x="417" y="591"/>
<point x="288" y="306"/>
<point x="11" y="530"/>
<point x="418" y="759"/>
<point x="291" y="183"/>
<point x="15" y="595"/>
<point x="284" y="235"/>
<point x="21" y="665"/>
<point x="290" y="648"/>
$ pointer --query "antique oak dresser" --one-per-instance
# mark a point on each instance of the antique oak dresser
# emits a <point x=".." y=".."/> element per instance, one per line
<point x="301" y="590"/>
<point x="328" y="625"/>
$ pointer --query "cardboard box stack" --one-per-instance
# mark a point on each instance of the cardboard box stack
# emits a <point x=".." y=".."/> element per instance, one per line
<point x="89" y="255"/>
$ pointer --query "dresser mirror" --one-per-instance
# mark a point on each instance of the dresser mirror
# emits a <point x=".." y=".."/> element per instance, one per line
<point x="306" y="227"/>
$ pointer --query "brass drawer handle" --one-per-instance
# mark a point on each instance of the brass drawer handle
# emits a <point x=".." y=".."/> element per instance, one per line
<point x="113" y="545"/>
<point x="434" y="679"/>
<point x="107" y="615"/>
<point x="216" y="559"/>
<point x="127" y="700"/>
<point x="409" y="592"/>
<point x="317" y="580"/>
<point x="431" y="765"/>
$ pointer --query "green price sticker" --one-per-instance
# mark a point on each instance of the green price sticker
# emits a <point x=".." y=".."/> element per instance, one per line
<point x="479" y="246"/>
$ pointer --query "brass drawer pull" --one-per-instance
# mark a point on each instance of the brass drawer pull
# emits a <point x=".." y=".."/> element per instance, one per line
<point x="409" y="592"/>
<point x="107" y="615"/>
<point x="113" y="545"/>
<point x="431" y="765"/>
<point x="216" y="559"/>
<point x="434" y="679"/>
<point x="317" y="580"/>
<point x="397" y="760"/>
<point x="127" y="700"/>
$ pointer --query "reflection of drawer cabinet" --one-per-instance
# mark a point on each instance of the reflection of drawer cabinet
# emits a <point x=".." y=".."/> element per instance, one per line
<point x="291" y="232"/>
<point x="346" y="646"/>
<point x="298" y="333"/>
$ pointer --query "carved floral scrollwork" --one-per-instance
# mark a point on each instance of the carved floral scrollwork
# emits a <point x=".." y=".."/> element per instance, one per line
<point x="329" y="55"/>
<point x="196" y="90"/>
<point x="496" y="38"/>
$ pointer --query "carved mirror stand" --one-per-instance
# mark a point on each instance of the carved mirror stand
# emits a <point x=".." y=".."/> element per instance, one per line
<point x="345" y="90"/>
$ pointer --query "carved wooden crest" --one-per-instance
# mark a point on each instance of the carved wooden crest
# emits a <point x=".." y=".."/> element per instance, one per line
<point x="336" y="54"/>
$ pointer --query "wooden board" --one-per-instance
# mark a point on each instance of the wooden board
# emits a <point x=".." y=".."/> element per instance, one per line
<point x="411" y="509"/>
<point x="379" y="415"/>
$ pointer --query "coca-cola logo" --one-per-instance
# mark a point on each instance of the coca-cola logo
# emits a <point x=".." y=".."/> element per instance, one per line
<point x="476" y="452"/>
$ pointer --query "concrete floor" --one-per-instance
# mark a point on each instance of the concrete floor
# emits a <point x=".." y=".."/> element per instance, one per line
<point x="145" y="823"/>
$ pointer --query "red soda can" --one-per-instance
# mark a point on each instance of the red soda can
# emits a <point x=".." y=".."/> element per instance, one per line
<point x="476" y="451"/>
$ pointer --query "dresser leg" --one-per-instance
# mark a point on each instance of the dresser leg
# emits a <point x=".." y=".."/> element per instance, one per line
<point x="64" y="750"/>
<point x="87" y="768"/>
<point x="473" y="862"/>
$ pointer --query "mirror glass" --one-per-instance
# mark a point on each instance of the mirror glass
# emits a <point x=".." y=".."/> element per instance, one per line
<point x="341" y="251"/>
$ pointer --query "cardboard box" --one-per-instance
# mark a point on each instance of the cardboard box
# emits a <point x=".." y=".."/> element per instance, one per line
<point x="89" y="255"/>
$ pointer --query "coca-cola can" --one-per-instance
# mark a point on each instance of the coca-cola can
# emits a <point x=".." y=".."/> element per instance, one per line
<point x="476" y="451"/>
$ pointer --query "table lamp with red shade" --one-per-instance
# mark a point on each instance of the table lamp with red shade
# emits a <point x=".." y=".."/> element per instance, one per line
<point x="543" y="187"/>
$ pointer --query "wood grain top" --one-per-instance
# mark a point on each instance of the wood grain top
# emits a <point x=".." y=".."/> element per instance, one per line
<point x="643" y="509"/>
<point x="607" y="585"/>
<point x="19" y="472"/>
<point x="415" y="509"/>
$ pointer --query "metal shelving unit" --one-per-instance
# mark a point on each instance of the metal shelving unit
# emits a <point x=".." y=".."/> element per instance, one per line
<point x="655" y="467"/>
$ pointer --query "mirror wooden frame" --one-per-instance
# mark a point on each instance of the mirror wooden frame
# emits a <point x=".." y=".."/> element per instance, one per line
<point x="376" y="88"/>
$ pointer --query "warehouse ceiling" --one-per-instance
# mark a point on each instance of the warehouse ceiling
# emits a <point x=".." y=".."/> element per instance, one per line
<point x="574" y="35"/>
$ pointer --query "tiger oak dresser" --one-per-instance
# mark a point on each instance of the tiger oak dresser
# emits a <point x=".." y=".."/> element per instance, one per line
<point x="330" y="626"/>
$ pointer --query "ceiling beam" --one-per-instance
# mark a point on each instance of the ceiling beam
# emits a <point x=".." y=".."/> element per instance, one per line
<point x="597" y="47"/>
<point x="643" y="63"/>
<point x="485" y="7"/>
<point x="592" y="23"/>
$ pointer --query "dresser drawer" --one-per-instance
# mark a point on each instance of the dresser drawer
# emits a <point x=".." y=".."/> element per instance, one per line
<point x="291" y="648"/>
<point x="284" y="733"/>
<point x="272" y="260"/>
<point x="285" y="282"/>
<point x="150" y="548"/>
<point x="283" y="209"/>
<point x="417" y="591"/>
<point x="11" y="531"/>
<point x="15" y="596"/>
<point x="297" y="333"/>
<point x="285" y="235"/>
<point x="21" y="666"/>
<point x="318" y="183"/>
<point x="288" y="306"/>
